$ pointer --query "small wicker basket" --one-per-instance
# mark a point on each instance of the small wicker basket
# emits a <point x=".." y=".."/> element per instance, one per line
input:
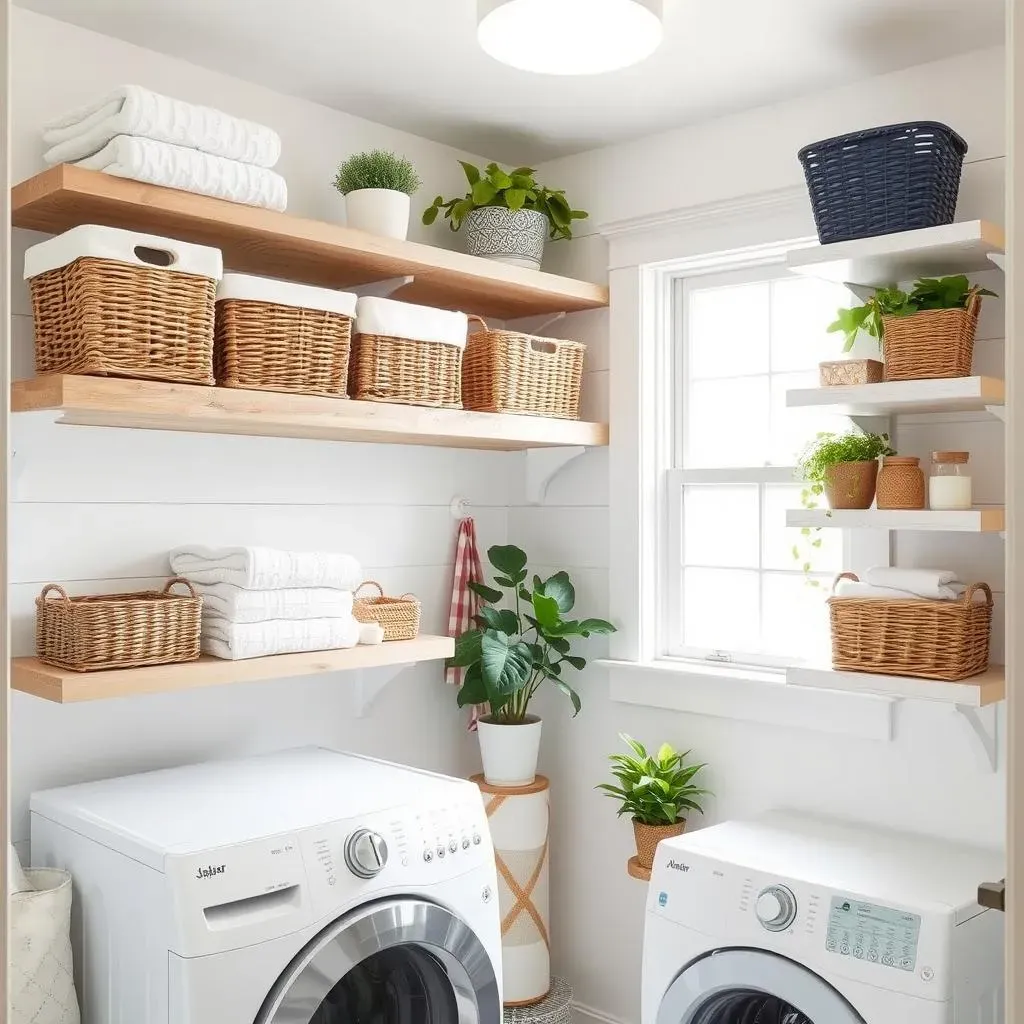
<point x="399" y="617"/>
<point x="512" y="372"/>
<point x="87" y="634"/>
<point x="850" y="372"/>
<point x="930" y="344"/>
<point x="928" y="639"/>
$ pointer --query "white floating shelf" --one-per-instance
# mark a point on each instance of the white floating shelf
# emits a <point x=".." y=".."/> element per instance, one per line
<point x="952" y="394"/>
<point x="977" y="520"/>
<point x="976" y="692"/>
<point x="903" y="256"/>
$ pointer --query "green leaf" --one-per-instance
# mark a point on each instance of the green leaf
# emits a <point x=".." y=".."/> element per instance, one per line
<point x="546" y="610"/>
<point x="523" y="181"/>
<point x="489" y="594"/>
<point x="484" y="192"/>
<point x="561" y="589"/>
<point x="526" y="171"/>
<point x="599" y="626"/>
<point x="500" y="179"/>
<point x="508" y="559"/>
<point x="577" y="663"/>
<point x="570" y="693"/>
<point x="559" y="643"/>
<point x="473" y="690"/>
<point x="430" y="214"/>
<point x="467" y="649"/>
<point x="503" y="620"/>
<point x="472" y="172"/>
<point x="506" y="666"/>
<point x="515" y="198"/>
<point x="459" y="211"/>
<point x="504" y="581"/>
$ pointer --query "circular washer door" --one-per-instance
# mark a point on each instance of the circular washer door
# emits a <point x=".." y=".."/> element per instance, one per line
<point x="399" y="961"/>
<point x="747" y="986"/>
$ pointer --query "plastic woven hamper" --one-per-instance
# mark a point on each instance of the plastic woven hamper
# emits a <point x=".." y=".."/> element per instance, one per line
<point x="894" y="178"/>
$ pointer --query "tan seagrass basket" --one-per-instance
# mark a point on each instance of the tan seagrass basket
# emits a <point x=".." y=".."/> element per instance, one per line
<point x="930" y="344"/>
<point x="399" y="617"/>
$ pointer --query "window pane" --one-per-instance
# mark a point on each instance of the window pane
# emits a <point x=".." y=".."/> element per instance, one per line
<point x="795" y="617"/>
<point x="727" y="423"/>
<point x="801" y="310"/>
<point x="720" y="609"/>
<point x="791" y="429"/>
<point x="779" y="539"/>
<point x="728" y="330"/>
<point x="720" y="525"/>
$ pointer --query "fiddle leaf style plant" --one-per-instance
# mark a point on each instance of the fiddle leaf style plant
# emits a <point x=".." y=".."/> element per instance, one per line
<point x="515" y="649"/>
<point x="377" y="168"/>
<point x="516" y="189"/>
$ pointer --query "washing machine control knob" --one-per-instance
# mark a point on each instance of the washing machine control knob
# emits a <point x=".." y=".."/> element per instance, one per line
<point x="776" y="908"/>
<point x="366" y="853"/>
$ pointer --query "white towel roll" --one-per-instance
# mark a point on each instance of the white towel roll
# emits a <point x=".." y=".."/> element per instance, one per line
<point x="922" y="582"/>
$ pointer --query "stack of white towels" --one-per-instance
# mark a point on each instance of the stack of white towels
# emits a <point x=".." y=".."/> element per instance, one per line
<point x="136" y="133"/>
<point x="906" y="585"/>
<point x="260" y="601"/>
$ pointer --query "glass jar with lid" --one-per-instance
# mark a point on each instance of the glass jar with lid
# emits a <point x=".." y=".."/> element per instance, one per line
<point x="949" y="486"/>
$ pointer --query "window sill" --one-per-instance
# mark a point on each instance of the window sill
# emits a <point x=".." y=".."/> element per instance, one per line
<point x="749" y="695"/>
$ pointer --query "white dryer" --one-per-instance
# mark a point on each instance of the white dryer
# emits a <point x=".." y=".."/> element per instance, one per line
<point x="792" y="919"/>
<point x="305" y="887"/>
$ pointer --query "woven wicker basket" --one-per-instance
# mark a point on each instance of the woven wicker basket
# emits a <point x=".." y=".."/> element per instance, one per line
<point x="399" y="617"/>
<point x="934" y="343"/>
<point x="850" y="372"/>
<point x="507" y="371"/>
<point x="86" y="634"/>
<point x="928" y="639"/>
<point x="647" y="838"/>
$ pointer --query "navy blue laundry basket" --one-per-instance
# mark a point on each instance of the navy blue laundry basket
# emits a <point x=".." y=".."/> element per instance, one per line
<point x="894" y="178"/>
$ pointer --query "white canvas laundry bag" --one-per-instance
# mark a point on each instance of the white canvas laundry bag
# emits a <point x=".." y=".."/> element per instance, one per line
<point x="42" y="984"/>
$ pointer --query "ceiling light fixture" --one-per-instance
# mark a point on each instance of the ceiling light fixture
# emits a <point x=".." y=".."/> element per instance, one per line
<point x="569" y="37"/>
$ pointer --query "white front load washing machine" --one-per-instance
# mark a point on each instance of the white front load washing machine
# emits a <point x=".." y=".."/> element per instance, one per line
<point x="791" y="919"/>
<point x="305" y="887"/>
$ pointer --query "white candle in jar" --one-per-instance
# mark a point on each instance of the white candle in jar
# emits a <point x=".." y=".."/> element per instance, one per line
<point x="949" y="492"/>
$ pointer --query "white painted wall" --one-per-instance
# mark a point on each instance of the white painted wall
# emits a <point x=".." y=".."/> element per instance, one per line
<point x="99" y="508"/>
<point x="928" y="779"/>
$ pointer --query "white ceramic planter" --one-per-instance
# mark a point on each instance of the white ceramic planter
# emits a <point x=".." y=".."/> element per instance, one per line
<point x="509" y="752"/>
<point x="378" y="211"/>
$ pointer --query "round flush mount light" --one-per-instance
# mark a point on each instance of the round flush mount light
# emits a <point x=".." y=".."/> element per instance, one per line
<point x="569" y="37"/>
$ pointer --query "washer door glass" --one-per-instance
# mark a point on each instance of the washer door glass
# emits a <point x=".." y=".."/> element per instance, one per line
<point x="400" y="961"/>
<point x="746" y="986"/>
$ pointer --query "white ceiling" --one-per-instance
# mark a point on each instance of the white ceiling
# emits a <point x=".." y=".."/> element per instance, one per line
<point x="415" y="65"/>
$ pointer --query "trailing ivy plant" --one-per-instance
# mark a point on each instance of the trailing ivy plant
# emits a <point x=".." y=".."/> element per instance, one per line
<point x="516" y="190"/>
<point x="377" y="169"/>
<point x="514" y="649"/>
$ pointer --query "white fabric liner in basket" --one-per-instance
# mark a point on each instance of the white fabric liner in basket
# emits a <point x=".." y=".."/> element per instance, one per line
<point x="249" y="287"/>
<point x="389" y="318"/>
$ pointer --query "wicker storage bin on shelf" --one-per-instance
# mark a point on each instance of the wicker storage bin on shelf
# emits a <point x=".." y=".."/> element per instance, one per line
<point x="945" y="640"/>
<point x="934" y="343"/>
<point x="850" y="372"/>
<point x="276" y="336"/>
<point x="508" y="371"/>
<point x="118" y="303"/>
<point x="108" y="631"/>
<point x="397" y="357"/>
<point x="399" y="617"/>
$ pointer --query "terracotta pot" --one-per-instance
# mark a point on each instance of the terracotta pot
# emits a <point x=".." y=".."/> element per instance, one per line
<point x="851" y="484"/>
<point x="900" y="483"/>
<point x="648" y="836"/>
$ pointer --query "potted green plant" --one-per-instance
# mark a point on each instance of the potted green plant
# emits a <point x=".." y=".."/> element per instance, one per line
<point x="522" y="640"/>
<point x="656" y="792"/>
<point x="924" y="333"/>
<point x="507" y="214"/>
<point x="377" y="187"/>
<point x="843" y="467"/>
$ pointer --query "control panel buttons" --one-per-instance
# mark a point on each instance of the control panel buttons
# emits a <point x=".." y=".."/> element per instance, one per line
<point x="776" y="908"/>
<point x="476" y="839"/>
<point x="366" y="853"/>
<point x="452" y="846"/>
<point x="440" y="852"/>
<point x="465" y="843"/>
<point x="428" y="856"/>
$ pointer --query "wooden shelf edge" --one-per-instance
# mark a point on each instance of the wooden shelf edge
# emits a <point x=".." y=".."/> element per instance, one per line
<point x="976" y="692"/>
<point x="944" y="395"/>
<point x="29" y="675"/>
<point x="977" y="520"/>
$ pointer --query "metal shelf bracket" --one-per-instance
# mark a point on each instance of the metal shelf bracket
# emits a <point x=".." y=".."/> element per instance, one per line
<point x="542" y="465"/>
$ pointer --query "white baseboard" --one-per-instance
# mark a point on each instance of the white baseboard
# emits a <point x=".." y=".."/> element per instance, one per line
<point x="584" y="1014"/>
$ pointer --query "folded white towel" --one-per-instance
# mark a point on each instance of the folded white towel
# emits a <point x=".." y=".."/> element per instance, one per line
<point x="236" y="641"/>
<point x="229" y="603"/>
<point x="159" y="163"/>
<point x="256" y="568"/>
<point x="133" y="110"/>
<point x="851" y="588"/>
<point x="922" y="582"/>
<point x="393" y="319"/>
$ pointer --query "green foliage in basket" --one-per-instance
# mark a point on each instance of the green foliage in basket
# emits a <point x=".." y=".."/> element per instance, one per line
<point x="377" y="169"/>
<point x="654" y="790"/>
<point x="516" y="189"/>
<point x="928" y="293"/>
<point x="514" y="649"/>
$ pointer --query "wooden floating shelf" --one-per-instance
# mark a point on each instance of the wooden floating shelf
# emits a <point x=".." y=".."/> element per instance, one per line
<point x="293" y="248"/>
<point x="977" y="520"/>
<point x="976" y="692"/>
<point x="112" y="402"/>
<point x="888" y="259"/>
<point x="29" y="675"/>
<point x="893" y="398"/>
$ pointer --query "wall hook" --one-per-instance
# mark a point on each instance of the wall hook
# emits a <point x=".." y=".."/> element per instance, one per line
<point x="459" y="508"/>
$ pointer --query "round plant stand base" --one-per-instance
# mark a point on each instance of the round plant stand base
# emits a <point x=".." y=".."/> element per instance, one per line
<point x="635" y="869"/>
<point x="554" y="1008"/>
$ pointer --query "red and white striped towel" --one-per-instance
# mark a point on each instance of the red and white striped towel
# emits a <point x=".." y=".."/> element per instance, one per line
<point x="465" y="604"/>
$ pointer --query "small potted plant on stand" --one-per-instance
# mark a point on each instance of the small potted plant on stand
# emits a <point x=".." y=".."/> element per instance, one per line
<point x="377" y="187"/>
<point x="656" y="792"/>
<point x="513" y="651"/>
<point x="507" y="214"/>
<point x="842" y="467"/>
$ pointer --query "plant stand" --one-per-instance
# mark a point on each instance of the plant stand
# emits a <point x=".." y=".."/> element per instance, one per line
<point x="637" y="870"/>
<point x="554" y="1008"/>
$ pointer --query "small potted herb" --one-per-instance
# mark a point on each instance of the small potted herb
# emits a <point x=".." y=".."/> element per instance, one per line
<point x="843" y="467"/>
<point x="511" y="653"/>
<point x="507" y="214"/>
<point x="656" y="792"/>
<point x="377" y="187"/>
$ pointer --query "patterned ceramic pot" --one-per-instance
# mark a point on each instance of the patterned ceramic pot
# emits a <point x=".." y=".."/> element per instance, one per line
<point x="508" y="236"/>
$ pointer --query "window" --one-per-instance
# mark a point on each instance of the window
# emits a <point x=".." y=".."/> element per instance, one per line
<point x="736" y="587"/>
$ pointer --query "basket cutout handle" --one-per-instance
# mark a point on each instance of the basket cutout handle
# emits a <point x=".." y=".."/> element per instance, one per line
<point x="844" y="576"/>
<point x="409" y="597"/>
<point x="59" y="589"/>
<point x="543" y="346"/>
<point x="179" y="579"/>
<point x="974" y="304"/>
<point x="968" y="595"/>
<point x="370" y="583"/>
<point x="474" y="319"/>
<point x="155" y="257"/>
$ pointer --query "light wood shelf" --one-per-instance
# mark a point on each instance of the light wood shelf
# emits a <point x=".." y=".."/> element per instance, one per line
<point x="977" y="520"/>
<point x="281" y="245"/>
<point x="976" y="692"/>
<point x="29" y="675"/>
<point x="894" y="398"/>
<point x="112" y="402"/>
<point x="889" y="259"/>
